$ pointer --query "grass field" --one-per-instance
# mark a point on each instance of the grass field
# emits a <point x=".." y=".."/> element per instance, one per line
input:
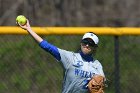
<point x="26" y="68"/>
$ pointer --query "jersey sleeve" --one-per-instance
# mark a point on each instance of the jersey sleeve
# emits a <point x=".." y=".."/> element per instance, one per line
<point x="66" y="58"/>
<point x="53" y="50"/>
<point x="100" y="68"/>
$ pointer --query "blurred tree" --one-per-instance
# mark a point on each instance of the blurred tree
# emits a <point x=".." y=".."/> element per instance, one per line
<point x="72" y="12"/>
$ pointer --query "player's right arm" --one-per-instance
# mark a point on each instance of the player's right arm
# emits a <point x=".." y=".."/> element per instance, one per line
<point x="31" y="32"/>
<point x="59" y="54"/>
<point x="42" y="43"/>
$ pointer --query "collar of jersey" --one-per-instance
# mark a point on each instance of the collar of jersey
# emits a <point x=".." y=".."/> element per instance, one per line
<point x="86" y="57"/>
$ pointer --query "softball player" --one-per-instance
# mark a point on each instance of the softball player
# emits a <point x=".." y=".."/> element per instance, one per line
<point x="79" y="67"/>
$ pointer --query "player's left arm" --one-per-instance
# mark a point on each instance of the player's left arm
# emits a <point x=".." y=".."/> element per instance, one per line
<point x="100" y="69"/>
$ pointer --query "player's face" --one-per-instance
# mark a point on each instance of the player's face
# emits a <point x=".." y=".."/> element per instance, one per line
<point x="88" y="46"/>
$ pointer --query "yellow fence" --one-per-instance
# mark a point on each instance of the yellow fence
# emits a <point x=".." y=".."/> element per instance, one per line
<point x="73" y="30"/>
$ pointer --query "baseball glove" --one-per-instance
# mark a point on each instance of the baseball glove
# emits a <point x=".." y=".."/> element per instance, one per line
<point x="96" y="84"/>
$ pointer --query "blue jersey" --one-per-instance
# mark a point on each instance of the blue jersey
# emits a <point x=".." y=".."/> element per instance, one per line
<point x="78" y="71"/>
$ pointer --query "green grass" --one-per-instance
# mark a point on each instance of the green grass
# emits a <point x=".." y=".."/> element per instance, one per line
<point x="25" y="67"/>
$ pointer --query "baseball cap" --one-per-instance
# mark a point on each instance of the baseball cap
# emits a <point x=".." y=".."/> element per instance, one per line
<point x="91" y="36"/>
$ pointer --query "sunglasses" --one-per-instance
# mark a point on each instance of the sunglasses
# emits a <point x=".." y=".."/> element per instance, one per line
<point x="88" y="42"/>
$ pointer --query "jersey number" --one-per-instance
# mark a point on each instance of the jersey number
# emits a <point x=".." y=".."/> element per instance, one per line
<point x="85" y="86"/>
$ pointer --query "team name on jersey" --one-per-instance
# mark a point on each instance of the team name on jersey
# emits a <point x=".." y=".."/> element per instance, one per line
<point x="82" y="73"/>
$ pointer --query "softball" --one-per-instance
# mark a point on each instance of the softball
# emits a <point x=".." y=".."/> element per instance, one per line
<point x="21" y="20"/>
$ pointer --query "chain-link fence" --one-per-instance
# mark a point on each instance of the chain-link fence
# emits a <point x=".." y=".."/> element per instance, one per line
<point x="26" y="68"/>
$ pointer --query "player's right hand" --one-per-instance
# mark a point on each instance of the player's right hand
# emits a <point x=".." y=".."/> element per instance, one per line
<point x="26" y="26"/>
